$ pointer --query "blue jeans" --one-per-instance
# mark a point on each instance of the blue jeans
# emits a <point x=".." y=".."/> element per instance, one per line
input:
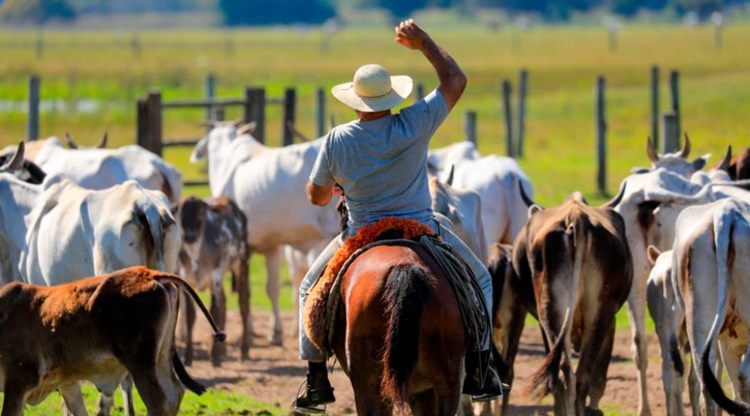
<point x="308" y="351"/>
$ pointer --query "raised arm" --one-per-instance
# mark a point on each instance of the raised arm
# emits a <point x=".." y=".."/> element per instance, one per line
<point x="452" y="79"/>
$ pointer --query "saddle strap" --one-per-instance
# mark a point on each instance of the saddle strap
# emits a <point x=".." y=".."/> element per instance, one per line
<point x="477" y="322"/>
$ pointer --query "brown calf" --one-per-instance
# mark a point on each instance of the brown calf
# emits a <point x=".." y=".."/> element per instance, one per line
<point x="578" y="261"/>
<point x="214" y="241"/>
<point x="97" y="329"/>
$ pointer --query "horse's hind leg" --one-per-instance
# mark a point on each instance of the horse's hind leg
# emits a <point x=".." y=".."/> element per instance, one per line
<point x="434" y="402"/>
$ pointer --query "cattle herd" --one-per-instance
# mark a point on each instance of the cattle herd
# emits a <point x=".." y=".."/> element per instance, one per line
<point x="100" y="252"/>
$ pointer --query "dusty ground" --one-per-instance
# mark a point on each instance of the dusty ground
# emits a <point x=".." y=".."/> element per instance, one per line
<point x="274" y="373"/>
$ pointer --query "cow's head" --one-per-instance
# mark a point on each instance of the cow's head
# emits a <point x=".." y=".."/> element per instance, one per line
<point x="462" y="207"/>
<point x="676" y="161"/>
<point x="222" y="133"/>
<point x="15" y="164"/>
<point x="191" y="215"/>
<point x="72" y="145"/>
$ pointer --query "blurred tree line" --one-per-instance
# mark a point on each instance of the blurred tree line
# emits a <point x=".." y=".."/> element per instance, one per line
<point x="269" y="12"/>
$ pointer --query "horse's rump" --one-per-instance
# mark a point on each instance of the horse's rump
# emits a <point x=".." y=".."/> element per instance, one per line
<point x="399" y="331"/>
<point x="316" y="317"/>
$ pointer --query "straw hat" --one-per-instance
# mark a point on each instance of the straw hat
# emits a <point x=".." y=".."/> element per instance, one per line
<point x="373" y="89"/>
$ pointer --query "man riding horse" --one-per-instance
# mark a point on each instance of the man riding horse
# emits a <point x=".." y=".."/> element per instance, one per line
<point x="379" y="161"/>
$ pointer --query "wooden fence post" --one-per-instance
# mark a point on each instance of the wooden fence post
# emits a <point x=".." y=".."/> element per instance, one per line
<point x="470" y="127"/>
<point x="209" y="94"/>
<point x="674" y="83"/>
<point x="290" y="104"/>
<point x="671" y="133"/>
<point x="320" y="112"/>
<point x="523" y="80"/>
<point x="141" y="123"/>
<point x="32" y="130"/>
<point x="255" y="110"/>
<point x="218" y="113"/>
<point x="153" y="123"/>
<point x="655" y="105"/>
<point x="509" y="148"/>
<point x="601" y="137"/>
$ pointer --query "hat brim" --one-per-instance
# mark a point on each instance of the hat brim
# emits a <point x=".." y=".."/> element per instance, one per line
<point x="401" y="86"/>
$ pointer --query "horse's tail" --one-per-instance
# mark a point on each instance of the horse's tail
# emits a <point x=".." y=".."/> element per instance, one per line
<point x="406" y="292"/>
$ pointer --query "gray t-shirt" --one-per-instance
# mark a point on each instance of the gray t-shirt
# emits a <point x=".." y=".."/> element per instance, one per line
<point x="382" y="164"/>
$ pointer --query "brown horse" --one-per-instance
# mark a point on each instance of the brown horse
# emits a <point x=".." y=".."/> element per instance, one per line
<point x="399" y="334"/>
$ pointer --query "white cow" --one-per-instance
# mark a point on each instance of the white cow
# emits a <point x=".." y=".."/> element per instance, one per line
<point x="496" y="179"/>
<point x="711" y="263"/>
<point x="58" y="232"/>
<point x="95" y="168"/>
<point x="268" y="184"/>
<point x="669" y="320"/>
<point x="644" y="192"/>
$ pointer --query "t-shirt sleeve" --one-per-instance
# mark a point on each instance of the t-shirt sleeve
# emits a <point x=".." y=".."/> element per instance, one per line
<point x="425" y="116"/>
<point x="321" y="173"/>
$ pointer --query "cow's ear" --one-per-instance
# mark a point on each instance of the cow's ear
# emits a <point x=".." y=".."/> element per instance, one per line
<point x="248" y="128"/>
<point x="652" y="254"/>
<point x="699" y="163"/>
<point x="533" y="209"/>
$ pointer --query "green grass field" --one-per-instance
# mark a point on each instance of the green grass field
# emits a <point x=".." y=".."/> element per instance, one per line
<point x="563" y="63"/>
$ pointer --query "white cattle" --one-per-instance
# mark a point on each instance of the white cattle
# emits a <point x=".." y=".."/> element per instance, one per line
<point x="644" y="192"/>
<point x="268" y="184"/>
<point x="441" y="160"/>
<point x="461" y="211"/>
<point x="58" y="232"/>
<point x="496" y="179"/>
<point x="669" y="320"/>
<point x="95" y="168"/>
<point x="711" y="263"/>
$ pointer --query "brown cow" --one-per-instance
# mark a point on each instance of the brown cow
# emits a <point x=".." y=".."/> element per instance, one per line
<point x="577" y="259"/>
<point x="508" y="313"/>
<point x="214" y="241"/>
<point x="98" y="329"/>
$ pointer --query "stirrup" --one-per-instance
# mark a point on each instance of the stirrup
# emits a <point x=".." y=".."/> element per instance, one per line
<point x="309" y="409"/>
<point x="504" y="389"/>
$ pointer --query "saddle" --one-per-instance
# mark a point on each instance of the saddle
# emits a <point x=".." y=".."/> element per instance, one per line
<point x="317" y="313"/>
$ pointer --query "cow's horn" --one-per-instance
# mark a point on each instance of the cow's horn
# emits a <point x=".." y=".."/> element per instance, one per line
<point x="238" y="121"/>
<point x="650" y="151"/>
<point x="69" y="141"/>
<point x="526" y="200"/>
<point x="296" y="133"/>
<point x="686" y="150"/>
<point x="724" y="165"/>
<point x="16" y="162"/>
<point x="449" y="180"/>
<point x="616" y="200"/>
<point x="103" y="143"/>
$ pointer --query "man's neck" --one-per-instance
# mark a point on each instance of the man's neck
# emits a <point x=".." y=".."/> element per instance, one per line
<point x="369" y="116"/>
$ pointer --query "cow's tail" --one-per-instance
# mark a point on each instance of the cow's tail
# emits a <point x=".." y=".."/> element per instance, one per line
<point x="219" y="335"/>
<point x="153" y="221"/>
<point x="406" y="293"/>
<point x="172" y="187"/>
<point x="547" y="377"/>
<point x="722" y="235"/>
<point x="189" y="382"/>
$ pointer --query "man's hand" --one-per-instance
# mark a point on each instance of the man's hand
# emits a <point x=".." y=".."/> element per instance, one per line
<point x="410" y="35"/>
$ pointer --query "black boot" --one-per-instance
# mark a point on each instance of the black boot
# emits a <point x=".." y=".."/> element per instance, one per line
<point x="481" y="388"/>
<point x="318" y="392"/>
